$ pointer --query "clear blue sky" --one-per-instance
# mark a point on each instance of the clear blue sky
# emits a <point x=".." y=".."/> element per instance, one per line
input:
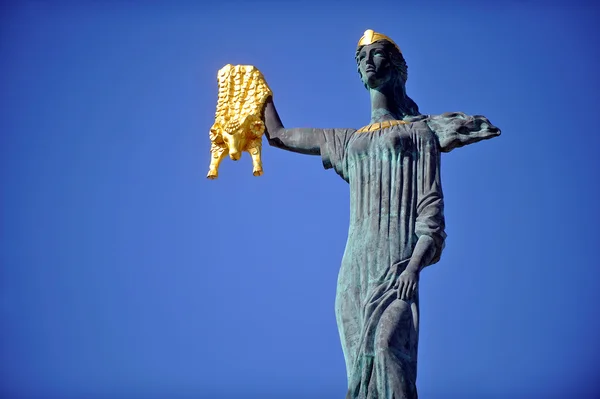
<point x="125" y="273"/>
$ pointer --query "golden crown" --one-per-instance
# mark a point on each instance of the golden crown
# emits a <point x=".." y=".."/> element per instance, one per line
<point x="371" y="37"/>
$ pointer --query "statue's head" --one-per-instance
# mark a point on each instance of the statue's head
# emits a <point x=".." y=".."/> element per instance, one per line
<point x="380" y="61"/>
<point x="382" y="67"/>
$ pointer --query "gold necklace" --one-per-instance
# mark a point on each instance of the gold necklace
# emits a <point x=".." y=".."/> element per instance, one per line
<point x="380" y="125"/>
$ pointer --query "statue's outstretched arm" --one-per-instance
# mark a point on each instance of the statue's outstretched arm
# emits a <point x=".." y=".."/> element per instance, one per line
<point x="302" y="140"/>
<point x="456" y="129"/>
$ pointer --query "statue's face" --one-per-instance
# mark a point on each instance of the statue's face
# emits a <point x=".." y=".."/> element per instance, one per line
<point x="375" y="66"/>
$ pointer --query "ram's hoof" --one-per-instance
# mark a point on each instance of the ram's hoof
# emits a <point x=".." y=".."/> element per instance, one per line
<point x="212" y="174"/>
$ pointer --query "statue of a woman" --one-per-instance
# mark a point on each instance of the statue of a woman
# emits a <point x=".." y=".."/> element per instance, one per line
<point x="396" y="216"/>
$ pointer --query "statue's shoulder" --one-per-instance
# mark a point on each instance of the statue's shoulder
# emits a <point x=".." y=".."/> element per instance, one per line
<point x="419" y="126"/>
<point x="342" y="131"/>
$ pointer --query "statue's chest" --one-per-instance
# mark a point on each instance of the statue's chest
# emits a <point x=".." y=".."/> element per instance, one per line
<point x="385" y="143"/>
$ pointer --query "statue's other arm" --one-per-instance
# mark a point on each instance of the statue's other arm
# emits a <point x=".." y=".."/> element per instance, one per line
<point x="430" y="223"/>
<point x="456" y="129"/>
<point x="302" y="140"/>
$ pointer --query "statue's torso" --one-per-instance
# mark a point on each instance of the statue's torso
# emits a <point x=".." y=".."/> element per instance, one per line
<point x="384" y="170"/>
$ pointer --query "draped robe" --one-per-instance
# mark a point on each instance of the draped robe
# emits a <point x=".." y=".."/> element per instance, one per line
<point x="395" y="197"/>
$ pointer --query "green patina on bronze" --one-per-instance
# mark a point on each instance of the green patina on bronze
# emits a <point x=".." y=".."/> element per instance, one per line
<point x="396" y="218"/>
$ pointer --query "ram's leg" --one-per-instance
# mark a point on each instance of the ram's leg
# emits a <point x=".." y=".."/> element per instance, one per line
<point x="255" y="150"/>
<point x="217" y="153"/>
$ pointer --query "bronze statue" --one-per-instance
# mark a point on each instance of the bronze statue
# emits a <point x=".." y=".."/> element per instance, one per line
<point x="396" y="215"/>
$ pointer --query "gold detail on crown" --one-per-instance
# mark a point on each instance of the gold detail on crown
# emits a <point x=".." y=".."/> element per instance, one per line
<point x="371" y="37"/>
<point x="380" y="125"/>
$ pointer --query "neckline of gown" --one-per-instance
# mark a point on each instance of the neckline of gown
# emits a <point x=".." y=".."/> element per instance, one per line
<point x="380" y="125"/>
<point x="388" y="123"/>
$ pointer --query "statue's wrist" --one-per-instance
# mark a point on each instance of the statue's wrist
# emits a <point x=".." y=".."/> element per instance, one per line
<point x="412" y="268"/>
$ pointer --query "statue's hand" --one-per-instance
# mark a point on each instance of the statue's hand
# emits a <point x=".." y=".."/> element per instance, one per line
<point x="407" y="284"/>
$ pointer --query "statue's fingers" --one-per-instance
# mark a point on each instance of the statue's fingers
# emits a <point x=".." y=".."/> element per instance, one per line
<point x="405" y="291"/>
<point x="413" y="289"/>
<point x="401" y="290"/>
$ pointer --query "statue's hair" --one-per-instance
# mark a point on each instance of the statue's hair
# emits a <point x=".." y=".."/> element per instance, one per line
<point x="405" y="104"/>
